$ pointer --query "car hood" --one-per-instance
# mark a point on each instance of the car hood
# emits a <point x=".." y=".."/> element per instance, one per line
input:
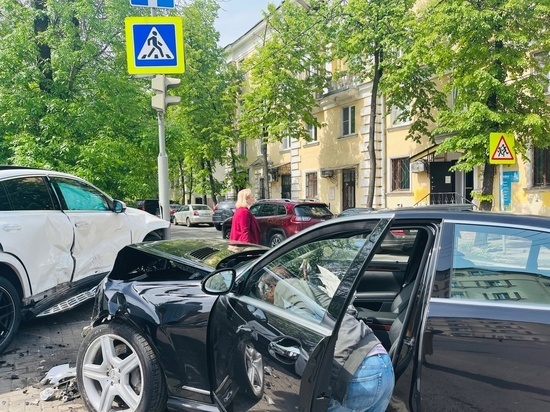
<point x="205" y="255"/>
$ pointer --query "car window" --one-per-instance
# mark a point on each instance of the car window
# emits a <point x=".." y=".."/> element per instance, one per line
<point x="281" y="210"/>
<point x="316" y="211"/>
<point x="201" y="207"/>
<point x="269" y="209"/>
<point x="499" y="263"/>
<point x="27" y="193"/>
<point x="256" y="209"/>
<point x="80" y="196"/>
<point x="304" y="280"/>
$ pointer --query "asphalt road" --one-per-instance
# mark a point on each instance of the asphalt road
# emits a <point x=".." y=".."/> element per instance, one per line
<point x="50" y="341"/>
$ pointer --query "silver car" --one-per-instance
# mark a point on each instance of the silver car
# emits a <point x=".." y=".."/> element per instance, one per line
<point x="194" y="214"/>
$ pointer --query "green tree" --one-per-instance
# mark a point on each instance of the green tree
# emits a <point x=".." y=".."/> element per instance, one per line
<point x="204" y="121"/>
<point x="491" y="54"/>
<point x="370" y="37"/>
<point x="283" y="76"/>
<point x="66" y="100"/>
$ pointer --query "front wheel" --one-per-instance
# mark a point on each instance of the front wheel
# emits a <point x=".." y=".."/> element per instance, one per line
<point x="250" y="370"/>
<point x="218" y="226"/>
<point x="10" y="313"/>
<point x="117" y="369"/>
<point x="276" y="239"/>
<point x="188" y="222"/>
<point x="226" y="232"/>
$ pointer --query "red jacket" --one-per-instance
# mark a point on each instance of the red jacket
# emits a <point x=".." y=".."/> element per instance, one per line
<point x="244" y="227"/>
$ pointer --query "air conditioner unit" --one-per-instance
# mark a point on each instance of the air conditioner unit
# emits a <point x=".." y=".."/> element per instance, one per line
<point x="418" y="166"/>
<point x="327" y="173"/>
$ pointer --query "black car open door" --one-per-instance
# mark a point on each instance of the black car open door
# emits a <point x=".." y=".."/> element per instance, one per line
<point x="272" y="339"/>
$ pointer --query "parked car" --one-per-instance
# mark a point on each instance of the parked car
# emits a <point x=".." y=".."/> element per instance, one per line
<point x="223" y="211"/>
<point x="173" y="208"/>
<point x="464" y="315"/>
<point x="60" y="236"/>
<point x="194" y="214"/>
<point x="151" y="206"/>
<point x="281" y="218"/>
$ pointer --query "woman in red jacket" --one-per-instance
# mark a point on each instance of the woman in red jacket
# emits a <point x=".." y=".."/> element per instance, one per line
<point x="244" y="226"/>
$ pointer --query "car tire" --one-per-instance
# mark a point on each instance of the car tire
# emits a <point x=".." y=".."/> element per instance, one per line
<point x="116" y="358"/>
<point x="250" y="370"/>
<point x="218" y="226"/>
<point x="176" y="221"/>
<point x="188" y="222"/>
<point x="276" y="239"/>
<point x="226" y="232"/>
<point x="10" y="313"/>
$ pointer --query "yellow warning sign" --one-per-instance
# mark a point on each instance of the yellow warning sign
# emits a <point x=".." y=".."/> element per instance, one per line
<point x="501" y="149"/>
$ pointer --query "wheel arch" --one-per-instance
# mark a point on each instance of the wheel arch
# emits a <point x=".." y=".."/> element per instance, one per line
<point x="8" y="272"/>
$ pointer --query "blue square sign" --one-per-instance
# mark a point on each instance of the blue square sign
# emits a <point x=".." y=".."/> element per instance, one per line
<point x="154" y="45"/>
<point x="162" y="4"/>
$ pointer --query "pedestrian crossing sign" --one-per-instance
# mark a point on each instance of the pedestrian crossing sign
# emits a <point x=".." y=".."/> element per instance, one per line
<point x="501" y="148"/>
<point x="154" y="45"/>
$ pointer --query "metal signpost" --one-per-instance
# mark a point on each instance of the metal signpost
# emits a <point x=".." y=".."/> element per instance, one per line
<point x="154" y="45"/>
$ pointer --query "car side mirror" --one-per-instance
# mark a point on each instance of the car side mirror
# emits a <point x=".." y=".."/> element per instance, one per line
<point x="219" y="282"/>
<point x="118" y="206"/>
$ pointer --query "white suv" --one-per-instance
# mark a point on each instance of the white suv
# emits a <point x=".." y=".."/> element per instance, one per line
<point x="59" y="236"/>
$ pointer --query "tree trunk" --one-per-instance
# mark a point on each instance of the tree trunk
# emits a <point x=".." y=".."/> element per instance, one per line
<point x="487" y="188"/>
<point x="211" y="182"/>
<point x="266" y="170"/>
<point x="182" y="181"/>
<point x="41" y="23"/>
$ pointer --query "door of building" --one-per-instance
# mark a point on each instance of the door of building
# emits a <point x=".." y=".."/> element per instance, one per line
<point x="348" y="188"/>
<point x="442" y="183"/>
<point x="286" y="187"/>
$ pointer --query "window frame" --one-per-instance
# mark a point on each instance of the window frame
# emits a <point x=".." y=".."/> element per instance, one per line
<point x="348" y="120"/>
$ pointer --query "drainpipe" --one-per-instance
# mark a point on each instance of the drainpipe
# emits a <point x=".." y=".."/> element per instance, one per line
<point x="383" y="152"/>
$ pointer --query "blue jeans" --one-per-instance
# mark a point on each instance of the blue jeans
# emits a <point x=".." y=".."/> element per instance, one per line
<point x="370" y="389"/>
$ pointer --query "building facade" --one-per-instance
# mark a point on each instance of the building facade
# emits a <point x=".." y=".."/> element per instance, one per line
<point x="334" y="167"/>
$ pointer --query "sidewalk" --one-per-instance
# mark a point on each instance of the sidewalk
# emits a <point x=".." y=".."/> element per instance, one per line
<point x="40" y="345"/>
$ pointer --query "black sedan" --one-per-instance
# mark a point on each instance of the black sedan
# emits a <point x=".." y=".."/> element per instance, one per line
<point x="464" y="314"/>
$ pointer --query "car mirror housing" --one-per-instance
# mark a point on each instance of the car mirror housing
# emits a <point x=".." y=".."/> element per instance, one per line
<point x="118" y="206"/>
<point x="219" y="282"/>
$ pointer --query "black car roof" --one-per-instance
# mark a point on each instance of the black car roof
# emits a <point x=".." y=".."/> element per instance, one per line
<point x="439" y="213"/>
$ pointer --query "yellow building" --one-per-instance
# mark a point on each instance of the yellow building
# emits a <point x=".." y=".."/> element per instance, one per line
<point x="334" y="167"/>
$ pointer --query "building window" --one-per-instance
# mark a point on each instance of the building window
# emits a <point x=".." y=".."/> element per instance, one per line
<point x="285" y="143"/>
<point x="348" y="120"/>
<point x="541" y="167"/>
<point x="311" y="185"/>
<point x="242" y="147"/>
<point x="395" y="119"/>
<point x="312" y="130"/>
<point x="400" y="174"/>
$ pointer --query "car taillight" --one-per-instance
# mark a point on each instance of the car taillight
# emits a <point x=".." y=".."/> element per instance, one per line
<point x="300" y="219"/>
<point x="215" y="207"/>
<point x="195" y="213"/>
<point x="399" y="232"/>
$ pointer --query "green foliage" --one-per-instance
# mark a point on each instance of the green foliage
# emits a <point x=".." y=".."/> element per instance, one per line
<point x="284" y="75"/>
<point x="487" y="59"/>
<point x="66" y="100"/>
<point x="203" y="124"/>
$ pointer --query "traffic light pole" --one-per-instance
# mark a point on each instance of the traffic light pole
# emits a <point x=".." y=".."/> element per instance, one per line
<point x="164" y="187"/>
<point x="160" y="101"/>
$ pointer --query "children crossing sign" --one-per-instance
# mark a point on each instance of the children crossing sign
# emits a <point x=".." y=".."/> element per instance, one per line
<point x="501" y="149"/>
<point x="154" y="45"/>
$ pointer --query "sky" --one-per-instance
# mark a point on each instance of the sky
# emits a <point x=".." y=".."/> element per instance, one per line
<point x="236" y="17"/>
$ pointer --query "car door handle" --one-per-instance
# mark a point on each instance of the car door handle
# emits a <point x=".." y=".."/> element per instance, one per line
<point x="285" y="348"/>
<point x="11" y="228"/>
<point x="81" y="224"/>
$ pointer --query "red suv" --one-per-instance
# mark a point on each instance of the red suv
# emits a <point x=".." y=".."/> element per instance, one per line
<point x="279" y="219"/>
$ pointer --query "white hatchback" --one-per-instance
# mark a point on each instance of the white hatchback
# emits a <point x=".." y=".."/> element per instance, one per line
<point x="193" y="214"/>
<point x="59" y="237"/>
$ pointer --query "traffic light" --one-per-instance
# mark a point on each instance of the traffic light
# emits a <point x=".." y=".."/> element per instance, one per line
<point x="160" y="84"/>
